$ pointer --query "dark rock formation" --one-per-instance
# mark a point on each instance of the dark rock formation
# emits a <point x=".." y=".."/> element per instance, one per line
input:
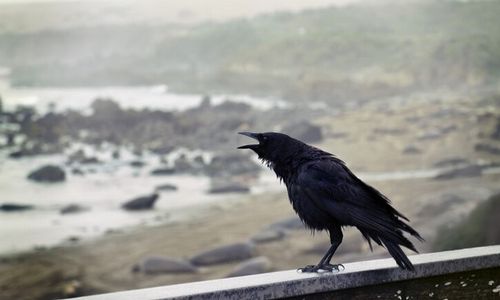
<point x="141" y="203"/>
<point x="255" y="265"/>
<point x="411" y="149"/>
<point x="137" y="163"/>
<point x="166" y="187"/>
<point x="224" y="254"/>
<point x="162" y="264"/>
<point x="72" y="209"/>
<point x="227" y="185"/>
<point x="49" y="173"/>
<point x="10" y="207"/>
<point x="163" y="171"/>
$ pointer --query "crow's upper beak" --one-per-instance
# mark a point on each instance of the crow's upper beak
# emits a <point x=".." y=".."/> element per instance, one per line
<point x="253" y="136"/>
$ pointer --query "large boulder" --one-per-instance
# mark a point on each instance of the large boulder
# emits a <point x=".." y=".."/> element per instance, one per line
<point x="304" y="131"/>
<point x="49" y="173"/>
<point x="162" y="264"/>
<point x="141" y="203"/>
<point x="224" y="254"/>
<point x="252" y="266"/>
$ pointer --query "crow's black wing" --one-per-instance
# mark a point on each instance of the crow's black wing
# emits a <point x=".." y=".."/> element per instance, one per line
<point x="334" y="189"/>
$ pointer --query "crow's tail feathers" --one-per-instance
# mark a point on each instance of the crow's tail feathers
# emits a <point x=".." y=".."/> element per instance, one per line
<point x="399" y="256"/>
<point x="390" y="235"/>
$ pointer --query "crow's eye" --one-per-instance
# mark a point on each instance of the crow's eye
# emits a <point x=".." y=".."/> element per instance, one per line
<point x="265" y="138"/>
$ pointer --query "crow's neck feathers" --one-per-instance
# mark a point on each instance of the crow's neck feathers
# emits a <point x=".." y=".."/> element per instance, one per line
<point x="288" y="160"/>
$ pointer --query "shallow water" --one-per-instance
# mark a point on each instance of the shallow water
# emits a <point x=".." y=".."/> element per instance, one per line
<point x="138" y="97"/>
<point x="103" y="192"/>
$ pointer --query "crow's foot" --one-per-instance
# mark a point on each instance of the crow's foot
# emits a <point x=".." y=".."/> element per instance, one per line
<point x="321" y="268"/>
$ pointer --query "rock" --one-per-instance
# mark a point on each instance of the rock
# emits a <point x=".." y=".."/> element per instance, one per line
<point x="73" y="239"/>
<point x="411" y="149"/>
<point x="226" y="185"/>
<point x="16" y="154"/>
<point x="141" y="203"/>
<point x="430" y="135"/>
<point x="90" y="161"/>
<point x="229" y="164"/>
<point x="162" y="171"/>
<point x="72" y="209"/>
<point x="184" y="165"/>
<point x="467" y="171"/>
<point x="162" y="264"/>
<point x="76" y="156"/>
<point x="166" y="187"/>
<point x="137" y="163"/>
<point x="291" y="223"/>
<point x="224" y="254"/>
<point x="255" y="265"/>
<point x="77" y="171"/>
<point x="496" y="132"/>
<point x="453" y="161"/>
<point x="9" y="207"/>
<point x="80" y="157"/>
<point x="448" y="129"/>
<point x="48" y="173"/>
<point x="304" y="131"/>
<point x="116" y="154"/>
<point x="481" y="147"/>
<point x="268" y="235"/>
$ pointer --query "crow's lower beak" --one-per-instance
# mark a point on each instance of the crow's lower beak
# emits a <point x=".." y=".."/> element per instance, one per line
<point x="253" y="136"/>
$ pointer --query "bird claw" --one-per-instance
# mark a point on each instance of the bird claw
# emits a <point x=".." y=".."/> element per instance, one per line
<point x="308" y="269"/>
<point x="321" y="268"/>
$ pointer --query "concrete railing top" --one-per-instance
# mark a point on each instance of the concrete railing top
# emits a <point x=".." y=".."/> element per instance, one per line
<point x="293" y="284"/>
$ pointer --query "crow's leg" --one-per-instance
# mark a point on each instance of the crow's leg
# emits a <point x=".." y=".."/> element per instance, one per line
<point x="324" y="264"/>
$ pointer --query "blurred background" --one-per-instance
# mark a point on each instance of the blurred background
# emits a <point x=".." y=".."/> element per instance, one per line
<point x="118" y="122"/>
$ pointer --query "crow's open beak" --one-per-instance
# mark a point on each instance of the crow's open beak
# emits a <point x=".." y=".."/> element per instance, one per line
<point x="253" y="136"/>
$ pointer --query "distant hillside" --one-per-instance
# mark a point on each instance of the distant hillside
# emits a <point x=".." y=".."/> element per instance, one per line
<point x="480" y="228"/>
<point x="336" y="54"/>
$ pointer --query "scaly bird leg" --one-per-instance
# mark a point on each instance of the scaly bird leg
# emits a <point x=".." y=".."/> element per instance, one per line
<point x="324" y="264"/>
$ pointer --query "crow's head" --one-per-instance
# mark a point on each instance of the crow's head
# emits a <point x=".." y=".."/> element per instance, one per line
<point x="272" y="146"/>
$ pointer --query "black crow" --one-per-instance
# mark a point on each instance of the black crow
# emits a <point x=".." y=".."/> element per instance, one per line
<point x="326" y="195"/>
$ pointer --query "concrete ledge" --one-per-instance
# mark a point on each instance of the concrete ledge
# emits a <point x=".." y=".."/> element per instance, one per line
<point x="292" y="284"/>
